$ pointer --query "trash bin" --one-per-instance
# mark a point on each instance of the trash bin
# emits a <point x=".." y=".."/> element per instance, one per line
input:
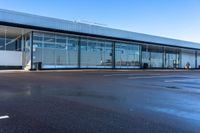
<point x="145" y="66"/>
<point x="35" y="66"/>
<point x="39" y="66"/>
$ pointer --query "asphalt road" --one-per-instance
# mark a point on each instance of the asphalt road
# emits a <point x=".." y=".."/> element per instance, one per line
<point x="100" y="102"/>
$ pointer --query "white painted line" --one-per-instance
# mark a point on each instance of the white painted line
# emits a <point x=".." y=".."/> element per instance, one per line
<point x="109" y="75"/>
<point x="128" y="74"/>
<point x="141" y="77"/>
<point x="183" y="80"/>
<point x="167" y="76"/>
<point x="4" y="117"/>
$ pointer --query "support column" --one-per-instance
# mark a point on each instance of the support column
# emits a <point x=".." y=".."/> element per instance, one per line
<point x="31" y="49"/>
<point x="164" y="58"/>
<point x="5" y="37"/>
<point x="79" y="52"/>
<point x="180" y="58"/>
<point x="196" y="65"/>
<point x="113" y="55"/>
<point x="140" y="56"/>
<point x="22" y="41"/>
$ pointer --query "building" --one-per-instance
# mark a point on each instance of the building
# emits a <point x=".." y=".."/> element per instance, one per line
<point x="31" y="42"/>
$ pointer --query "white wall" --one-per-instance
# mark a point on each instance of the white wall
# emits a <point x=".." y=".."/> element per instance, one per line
<point x="10" y="58"/>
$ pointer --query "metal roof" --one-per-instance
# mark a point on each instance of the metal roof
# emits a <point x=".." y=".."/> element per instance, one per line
<point x="8" y="16"/>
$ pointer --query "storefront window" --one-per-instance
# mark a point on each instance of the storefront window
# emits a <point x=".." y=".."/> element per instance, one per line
<point x="96" y="54"/>
<point x="172" y="57"/>
<point x="62" y="51"/>
<point x="156" y="60"/>
<point x="188" y="58"/>
<point x="10" y="38"/>
<point x="55" y="51"/>
<point x="126" y="55"/>
<point x="152" y="56"/>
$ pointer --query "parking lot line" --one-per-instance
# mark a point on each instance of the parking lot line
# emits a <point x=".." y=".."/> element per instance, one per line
<point x="182" y="80"/>
<point x="159" y="76"/>
<point x="4" y="117"/>
<point x="130" y="74"/>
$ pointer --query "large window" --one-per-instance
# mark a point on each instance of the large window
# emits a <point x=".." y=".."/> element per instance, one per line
<point x="11" y="38"/>
<point x="156" y="60"/>
<point x="65" y="51"/>
<point x="146" y="59"/>
<point x="126" y="55"/>
<point x="188" y="58"/>
<point x="96" y="54"/>
<point x="49" y="51"/>
<point x="152" y="56"/>
<point x="172" y="58"/>
<point x="55" y="51"/>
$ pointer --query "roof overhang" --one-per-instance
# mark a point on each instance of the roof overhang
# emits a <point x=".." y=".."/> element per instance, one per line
<point x="12" y="18"/>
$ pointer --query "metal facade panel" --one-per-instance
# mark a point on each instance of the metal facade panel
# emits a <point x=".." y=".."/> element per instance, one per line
<point x="58" y="24"/>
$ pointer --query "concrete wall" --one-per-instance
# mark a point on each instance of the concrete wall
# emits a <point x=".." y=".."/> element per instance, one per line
<point x="10" y="58"/>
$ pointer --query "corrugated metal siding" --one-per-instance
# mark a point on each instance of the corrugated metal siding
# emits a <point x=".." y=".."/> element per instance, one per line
<point x="58" y="24"/>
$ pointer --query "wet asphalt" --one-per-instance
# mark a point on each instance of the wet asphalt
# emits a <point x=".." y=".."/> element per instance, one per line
<point x="100" y="102"/>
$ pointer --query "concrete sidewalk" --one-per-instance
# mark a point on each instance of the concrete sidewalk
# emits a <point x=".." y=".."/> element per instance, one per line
<point x="103" y="70"/>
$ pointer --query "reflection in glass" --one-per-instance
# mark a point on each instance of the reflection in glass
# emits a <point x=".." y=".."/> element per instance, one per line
<point x="188" y="58"/>
<point x="55" y="51"/>
<point x="126" y="55"/>
<point x="96" y="54"/>
<point x="62" y="51"/>
<point x="156" y="60"/>
<point x="10" y="38"/>
<point x="152" y="56"/>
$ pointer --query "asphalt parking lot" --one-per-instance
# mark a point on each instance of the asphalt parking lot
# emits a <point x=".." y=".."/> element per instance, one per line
<point x="100" y="102"/>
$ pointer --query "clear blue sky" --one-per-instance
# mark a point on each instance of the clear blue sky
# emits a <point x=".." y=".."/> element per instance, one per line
<point x="178" y="19"/>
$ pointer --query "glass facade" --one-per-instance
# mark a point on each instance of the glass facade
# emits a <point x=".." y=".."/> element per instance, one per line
<point x="172" y="58"/>
<point x="96" y="53"/>
<point x="152" y="56"/>
<point x="15" y="41"/>
<point x="55" y="51"/>
<point x="11" y="38"/>
<point x="188" y="58"/>
<point x="62" y="51"/>
<point x="127" y="55"/>
<point x="160" y="57"/>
